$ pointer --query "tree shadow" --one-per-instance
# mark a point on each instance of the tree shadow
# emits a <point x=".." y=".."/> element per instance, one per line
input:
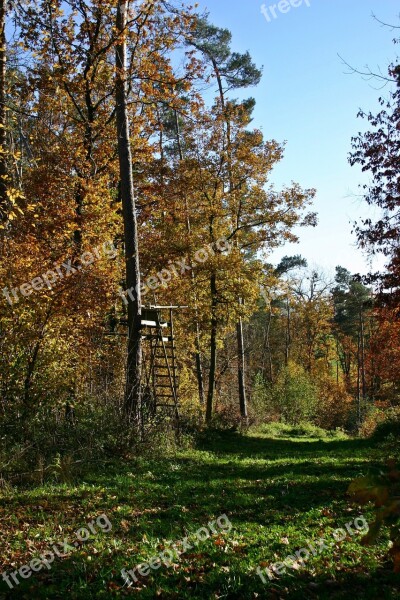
<point x="271" y="448"/>
<point x="258" y="482"/>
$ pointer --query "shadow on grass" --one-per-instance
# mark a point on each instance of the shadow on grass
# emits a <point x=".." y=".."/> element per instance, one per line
<point x="169" y="496"/>
<point x="257" y="481"/>
<point x="273" y="448"/>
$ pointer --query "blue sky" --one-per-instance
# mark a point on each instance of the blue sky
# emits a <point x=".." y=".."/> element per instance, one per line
<point x="307" y="99"/>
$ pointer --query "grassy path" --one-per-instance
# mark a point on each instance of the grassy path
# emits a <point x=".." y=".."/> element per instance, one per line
<point x="278" y="493"/>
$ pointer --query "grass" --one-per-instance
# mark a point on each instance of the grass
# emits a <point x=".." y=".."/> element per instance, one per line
<point x="280" y="488"/>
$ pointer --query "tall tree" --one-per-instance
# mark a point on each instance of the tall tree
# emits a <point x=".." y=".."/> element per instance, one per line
<point x="134" y="361"/>
<point x="232" y="71"/>
<point x="353" y="304"/>
<point x="288" y="264"/>
<point x="3" y="138"/>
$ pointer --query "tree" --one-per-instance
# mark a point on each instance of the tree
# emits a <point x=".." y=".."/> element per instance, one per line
<point x="353" y="304"/>
<point x="232" y="71"/>
<point x="77" y="85"/>
<point x="3" y="148"/>
<point x="134" y="359"/>
<point x="378" y="152"/>
<point x="288" y="264"/>
<point x="238" y="204"/>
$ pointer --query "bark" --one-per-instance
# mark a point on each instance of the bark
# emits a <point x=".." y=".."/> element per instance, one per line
<point x="32" y="362"/>
<point x="213" y="350"/>
<point x="199" y="366"/>
<point x="267" y="346"/>
<point x="29" y="373"/>
<point x="362" y="336"/>
<point x="134" y="309"/>
<point x="241" y="370"/>
<point x="337" y="361"/>
<point x="358" y="381"/>
<point x="3" y="140"/>
<point x="78" y="220"/>
<point x="288" y="335"/>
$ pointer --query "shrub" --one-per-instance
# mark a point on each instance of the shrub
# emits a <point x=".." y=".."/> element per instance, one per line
<point x="294" y="395"/>
<point x="379" y="423"/>
<point x="388" y="426"/>
<point x="291" y="399"/>
<point x="335" y="405"/>
<point x="226" y="418"/>
<point x="261" y="407"/>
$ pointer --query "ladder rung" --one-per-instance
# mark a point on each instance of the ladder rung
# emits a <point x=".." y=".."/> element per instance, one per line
<point x="153" y="336"/>
<point x="155" y="324"/>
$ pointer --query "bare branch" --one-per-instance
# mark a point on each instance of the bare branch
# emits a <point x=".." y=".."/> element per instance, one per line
<point x="368" y="74"/>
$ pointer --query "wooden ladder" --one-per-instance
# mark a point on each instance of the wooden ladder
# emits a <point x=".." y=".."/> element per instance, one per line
<point x="160" y="374"/>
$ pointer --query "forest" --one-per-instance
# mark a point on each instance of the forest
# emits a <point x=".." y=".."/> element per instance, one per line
<point x="162" y="378"/>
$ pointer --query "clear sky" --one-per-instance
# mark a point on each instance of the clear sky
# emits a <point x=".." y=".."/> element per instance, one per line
<point x="307" y="98"/>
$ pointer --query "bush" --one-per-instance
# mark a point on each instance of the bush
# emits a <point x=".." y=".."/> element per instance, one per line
<point x="379" y="423"/>
<point x="291" y="399"/>
<point x="390" y="426"/>
<point x="293" y="396"/>
<point x="226" y="418"/>
<point x="47" y="448"/>
<point x="261" y="409"/>
<point x="335" y="405"/>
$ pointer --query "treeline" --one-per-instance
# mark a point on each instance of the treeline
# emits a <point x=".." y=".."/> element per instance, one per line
<point x="323" y="351"/>
<point x="132" y="175"/>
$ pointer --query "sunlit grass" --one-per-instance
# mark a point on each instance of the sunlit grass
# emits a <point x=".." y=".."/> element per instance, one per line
<point x="279" y="488"/>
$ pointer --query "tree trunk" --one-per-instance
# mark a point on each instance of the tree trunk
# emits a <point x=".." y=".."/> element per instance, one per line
<point x="3" y="140"/>
<point x="213" y="350"/>
<point x="134" y="309"/>
<point x="241" y="370"/>
<point x="199" y="366"/>
<point x="363" y="378"/>
<point x="266" y="350"/>
<point x="32" y="362"/>
<point x="358" y="382"/>
<point x="288" y="336"/>
<point x="337" y="361"/>
<point x="29" y="374"/>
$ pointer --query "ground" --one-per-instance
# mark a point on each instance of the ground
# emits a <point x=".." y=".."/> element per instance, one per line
<point x="279" y="489"/>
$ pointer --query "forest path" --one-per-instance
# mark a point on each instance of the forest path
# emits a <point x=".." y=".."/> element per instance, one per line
<point x="279" y="488"/>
